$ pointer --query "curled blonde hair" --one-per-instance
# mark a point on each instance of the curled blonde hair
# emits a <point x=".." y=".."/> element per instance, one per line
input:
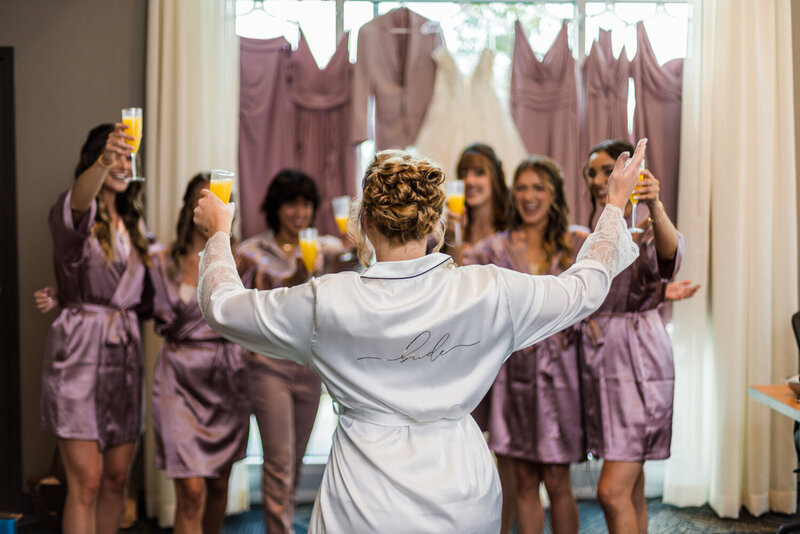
<point x="403" y="197"/>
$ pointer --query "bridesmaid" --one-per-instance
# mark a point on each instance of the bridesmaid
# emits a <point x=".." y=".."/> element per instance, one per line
<point x="486" y="200"/>
<point x="92" y="369"/>
<point x="200" y="405"/>
<point x="538" y="419"/>
<point x="285" y="395"/>
<point x="627" y="368"/>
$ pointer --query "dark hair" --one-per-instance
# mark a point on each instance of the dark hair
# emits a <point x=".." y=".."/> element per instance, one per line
<point x="556" y="233"/>
<point x="479" y="156"/>
<point x="612" y="147"/>
<point x="128" y="203"/>
<point x="288" y="185"/>
<point x="186" y="226"/>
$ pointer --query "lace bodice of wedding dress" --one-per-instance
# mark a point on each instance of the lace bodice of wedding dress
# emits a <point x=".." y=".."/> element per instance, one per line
<point x="465" y="109"/>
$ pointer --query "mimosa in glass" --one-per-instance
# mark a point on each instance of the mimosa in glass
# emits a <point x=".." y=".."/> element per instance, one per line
<point x="455" y="203"/>
<point x="341" y="212"/>
<point x="634" y="198"/>
<point x="309" y="247"/>
<point x="132" y="118"/>
<point x="221" y="184"/>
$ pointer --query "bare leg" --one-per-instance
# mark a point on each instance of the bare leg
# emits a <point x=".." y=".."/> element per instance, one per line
<point x="190" y="495"/>
<point x="216" y="503"/>
<point x="505" y="470"/>
<point x="530" y="515"/>
<point x="640" y="504"/>
<point x="111" y="499"/>
<point x="615" y="493"/>
<point x="84" y="465"/>
<point x="563" y="508"/>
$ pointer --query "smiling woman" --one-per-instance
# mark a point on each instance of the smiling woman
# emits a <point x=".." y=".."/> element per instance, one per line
<point x="92" y="370"/>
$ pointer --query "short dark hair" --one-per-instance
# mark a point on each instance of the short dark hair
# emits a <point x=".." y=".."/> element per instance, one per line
<point x="288" y="185"/>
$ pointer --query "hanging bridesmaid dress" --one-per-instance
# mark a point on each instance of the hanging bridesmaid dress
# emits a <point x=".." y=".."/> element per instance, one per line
<point x="658" y="116"/>
<point x="321" y="100"/>
<point x="544" y="105"/>
<point x="266" y="124"/>
<point x="605" y="86"/>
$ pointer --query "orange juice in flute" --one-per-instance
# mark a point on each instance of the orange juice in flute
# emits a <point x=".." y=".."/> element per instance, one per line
<point x="455" y="203"/>
<point x="309" y="247"/>
<point x="634" y="198"/>
<point x="132" y="118"/>
<point x="221" y="184"/>
<point x="341" y="212"/>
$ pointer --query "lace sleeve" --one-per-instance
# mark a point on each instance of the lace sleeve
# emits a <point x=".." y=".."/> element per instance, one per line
<point x="217" y="269"/>
<point x="610" y="244"/>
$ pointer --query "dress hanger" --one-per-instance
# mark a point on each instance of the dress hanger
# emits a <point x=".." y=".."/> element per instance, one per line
<point x="611" y="9"/>
<point x="258" y="6"/>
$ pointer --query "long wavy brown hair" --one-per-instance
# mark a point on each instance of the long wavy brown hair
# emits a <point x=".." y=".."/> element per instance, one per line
<point x="556" y="234"/>
<point x="482" y="157"/>
<point x="403" y="197"/>
<point x="128" y="203"/>
<point x="186" y="227"/>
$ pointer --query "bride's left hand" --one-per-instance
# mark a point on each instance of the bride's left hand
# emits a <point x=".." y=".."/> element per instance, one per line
<point x="211" y="215"/>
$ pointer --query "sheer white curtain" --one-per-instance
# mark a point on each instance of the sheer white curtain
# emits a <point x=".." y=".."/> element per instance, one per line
<point x="191" y="122"/>
<point x="738" y="211"/>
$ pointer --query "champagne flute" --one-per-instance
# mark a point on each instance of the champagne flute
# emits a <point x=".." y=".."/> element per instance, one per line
<point x="455" y="203"/>
<point x="309" y="247"/>
<point x="341" y="212"/>
<point x="132" y="118"/>
<point x="221" y="184"/>
<point x="634" y="198"/>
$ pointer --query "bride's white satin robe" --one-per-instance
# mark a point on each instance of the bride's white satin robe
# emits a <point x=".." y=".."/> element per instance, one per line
<point x="408" y="349"/>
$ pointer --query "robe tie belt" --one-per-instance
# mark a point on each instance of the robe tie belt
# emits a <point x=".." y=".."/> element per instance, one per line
<point x="384" y="419"/>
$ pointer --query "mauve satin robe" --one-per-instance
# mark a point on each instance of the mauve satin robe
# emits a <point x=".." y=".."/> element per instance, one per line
<point x="321" y="100"/>
<point x="92" y="368"/>
<point x="397" y="69"/>
<point x="627" y="375"/>
<point x="535" y="408"/>
<point x="201" y="411"/>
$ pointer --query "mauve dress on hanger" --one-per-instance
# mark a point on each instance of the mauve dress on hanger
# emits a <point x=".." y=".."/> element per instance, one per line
<point x="658" y="116"/>
<point x="544" y="105"/>
<point x="535" y="407"/>
<point x="266" y="124"/>
<point x="321" y="100"/>
<point x="605" y="85"/>
<point x="395" y="66"/>
<point x="201" y="411"/>
<point x="92" y="368"/>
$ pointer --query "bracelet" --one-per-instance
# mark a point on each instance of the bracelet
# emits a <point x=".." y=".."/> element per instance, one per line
<point x="660" y="218"/>
<point x="102" y="163"/>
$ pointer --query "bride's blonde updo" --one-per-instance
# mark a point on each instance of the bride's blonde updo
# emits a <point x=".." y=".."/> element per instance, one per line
<point x="403" y="197"/>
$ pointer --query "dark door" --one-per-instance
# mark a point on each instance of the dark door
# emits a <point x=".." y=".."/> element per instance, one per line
<point x="10" y="439"/>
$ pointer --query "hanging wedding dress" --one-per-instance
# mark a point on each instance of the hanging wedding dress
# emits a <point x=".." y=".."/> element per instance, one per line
<point x="466" y="109"/>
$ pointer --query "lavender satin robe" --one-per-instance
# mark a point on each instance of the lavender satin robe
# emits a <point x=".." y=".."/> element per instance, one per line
<point x="92" y="368"/>
<point x="200" y="407"/>
<point x="535" y="403"/>
<point x="627" y="374"/>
